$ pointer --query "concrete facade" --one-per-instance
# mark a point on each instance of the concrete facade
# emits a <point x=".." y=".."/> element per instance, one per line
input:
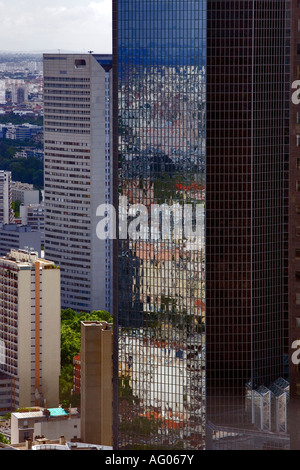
<point x="96" y="383"/>
<point x="77" y="175"/>
<point x="14" y="236"/>
<point x="30" y="328"/>
<point x="6" y="214"/>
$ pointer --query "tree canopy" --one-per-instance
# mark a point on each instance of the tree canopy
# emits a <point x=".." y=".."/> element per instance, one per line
<point x="71" y="345"/>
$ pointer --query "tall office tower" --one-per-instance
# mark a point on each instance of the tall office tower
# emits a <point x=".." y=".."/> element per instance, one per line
<point x="77" y="175"/>
<point x="29" y="329"/>
<point x="6" y="213"/>
<point x="248" y="44"/>
<point x="159" y="139"/>
<point x="294" y="230"/>
<point x="203" y="103"/>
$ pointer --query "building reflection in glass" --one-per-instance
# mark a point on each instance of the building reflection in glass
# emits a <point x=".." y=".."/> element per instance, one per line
<point x="161" y="161"/>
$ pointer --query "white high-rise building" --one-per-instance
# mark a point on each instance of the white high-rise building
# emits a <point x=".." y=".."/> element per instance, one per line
<point x="77" y="138"/>
<point x="6" y="213"/>
<point x="29" y="330"/>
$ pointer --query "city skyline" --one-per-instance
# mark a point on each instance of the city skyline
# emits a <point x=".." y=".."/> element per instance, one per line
<point x="173" y="141"/>
<point x="30" y="26"/>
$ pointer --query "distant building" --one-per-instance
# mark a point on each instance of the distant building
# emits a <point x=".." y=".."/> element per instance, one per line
<point x="15" y="236"/>
<point x="29" y="330"/>
<point x="22" y="131"/>
<point x="29" y="153"/>
<point x="25" y="193"/>
<point x="96" y="382"/>
<point x="6" y="214"/>
<point x="33" y="215"/>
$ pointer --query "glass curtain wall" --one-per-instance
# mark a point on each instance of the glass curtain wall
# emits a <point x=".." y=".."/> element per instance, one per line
<point x="159" y="126"/>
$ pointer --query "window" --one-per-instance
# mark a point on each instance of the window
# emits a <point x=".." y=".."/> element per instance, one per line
<point x="81" y="63"/>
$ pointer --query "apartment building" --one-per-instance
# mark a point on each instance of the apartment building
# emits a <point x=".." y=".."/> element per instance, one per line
<point x="29" y="330"/>
<point x="6" y="213"/>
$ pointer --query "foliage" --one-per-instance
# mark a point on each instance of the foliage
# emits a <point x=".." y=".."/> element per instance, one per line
<point x="16" y="207"/>
<point x="3" y="439"/>
<point x="71" y="345"/>
<point x="29" y="170"/>
<point x="65" y="386"/>
<point x="15" y="119"/>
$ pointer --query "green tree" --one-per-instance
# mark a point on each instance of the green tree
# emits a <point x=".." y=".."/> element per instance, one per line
<point x="70" y="344"/>
<point x="3" y="439"/>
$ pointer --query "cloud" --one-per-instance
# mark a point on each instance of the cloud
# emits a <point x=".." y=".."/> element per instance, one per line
<point x="63" y="24"/>
<point x="103" y="8"/>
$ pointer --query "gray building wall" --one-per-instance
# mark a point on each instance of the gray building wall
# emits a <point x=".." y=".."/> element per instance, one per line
<point x="76" y="176"/>
<point x="13" y="236"/>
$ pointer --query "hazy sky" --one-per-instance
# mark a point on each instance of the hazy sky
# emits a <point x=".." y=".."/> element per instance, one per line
<point x="43" y="25"/>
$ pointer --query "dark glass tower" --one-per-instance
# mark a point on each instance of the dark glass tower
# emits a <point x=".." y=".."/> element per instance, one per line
<point x="248" y="44"/>
<point x="159" y="62"/>
<point x="294" y="229"/>
<point x="201" y="119"/>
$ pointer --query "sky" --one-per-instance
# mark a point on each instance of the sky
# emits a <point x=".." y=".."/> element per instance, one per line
<point x="52" y="25"/>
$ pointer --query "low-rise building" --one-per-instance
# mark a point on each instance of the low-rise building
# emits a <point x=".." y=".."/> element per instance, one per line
<point x="25" y="193"/>
<point x="16" y="236"/>
<point x="50" y="422"/>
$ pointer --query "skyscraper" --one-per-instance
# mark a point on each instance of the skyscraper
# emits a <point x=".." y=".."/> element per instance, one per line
<point x="294" y="231"/>
<point x="247" y="214"/>
<point x="77" y="175"/>
<point x="159" y="137"/>
<point x="201" y="122"/>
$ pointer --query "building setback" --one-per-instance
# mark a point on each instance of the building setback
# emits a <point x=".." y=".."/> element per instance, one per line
<point x="30" y="329"/>
<point x="77" y="175"/>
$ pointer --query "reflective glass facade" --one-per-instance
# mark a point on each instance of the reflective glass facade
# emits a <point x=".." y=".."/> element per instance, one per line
<point x="201" y="121"/>
<point x="160" y="61"/>
<point x="248" y="54"/>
